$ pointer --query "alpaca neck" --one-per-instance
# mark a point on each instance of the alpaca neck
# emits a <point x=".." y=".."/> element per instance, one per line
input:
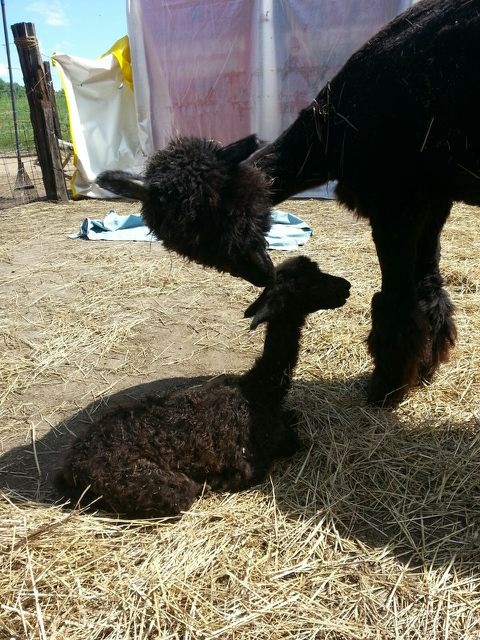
<point x="294" y="160"/>
<point x="270" y="377"/>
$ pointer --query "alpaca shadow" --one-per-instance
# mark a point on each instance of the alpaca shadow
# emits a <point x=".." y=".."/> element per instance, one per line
<point x="382" y="479"/>
<point x="413" y="487"/>
<point x="27" y="471"/>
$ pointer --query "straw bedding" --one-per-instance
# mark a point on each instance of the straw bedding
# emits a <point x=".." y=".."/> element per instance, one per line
<point x="372" y="530"/>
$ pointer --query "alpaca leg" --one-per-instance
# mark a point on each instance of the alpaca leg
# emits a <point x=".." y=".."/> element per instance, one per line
<point x="400" y="330"/>
<point x="290" y="442"/>
<point x="433" y="298"/>
<point x="438" y="309"/>
<point x="397" y="343"/>
<point x="130" y="485"/>
<point x="149" y="489"/>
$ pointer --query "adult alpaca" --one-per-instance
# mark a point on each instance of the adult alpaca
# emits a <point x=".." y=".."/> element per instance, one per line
<point x="398" y="128"/>
<point x="204" y="204"/>
<point x="153" y="458"/>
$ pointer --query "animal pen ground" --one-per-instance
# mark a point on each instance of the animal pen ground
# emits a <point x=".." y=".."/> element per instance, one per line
<point x="372" y="530"/>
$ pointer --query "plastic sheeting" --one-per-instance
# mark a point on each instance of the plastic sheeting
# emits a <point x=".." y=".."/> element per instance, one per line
<point x="212" y="68"/>
<point x="287" y="232"/>
<point x="225" y="68"/>
<point x="102" y="115"/>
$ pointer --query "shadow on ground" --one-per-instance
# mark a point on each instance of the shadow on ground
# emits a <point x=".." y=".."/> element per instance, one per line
<point x="364" y="471"/>
<point x="19" y="467"/>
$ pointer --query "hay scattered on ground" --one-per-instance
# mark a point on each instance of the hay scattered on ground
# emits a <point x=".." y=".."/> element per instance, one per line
<point x="371" y="531"/>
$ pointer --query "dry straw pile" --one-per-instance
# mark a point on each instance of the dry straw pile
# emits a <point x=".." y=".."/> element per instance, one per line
<point x="371" y="531"/>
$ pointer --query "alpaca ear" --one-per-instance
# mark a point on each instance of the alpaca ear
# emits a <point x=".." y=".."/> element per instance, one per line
<point x="252" y="309"/>
<point x="123" y="184"/>
<point x="260" y="309"/>
<point x="240" y="150"/>
<point x="256" y="267"/>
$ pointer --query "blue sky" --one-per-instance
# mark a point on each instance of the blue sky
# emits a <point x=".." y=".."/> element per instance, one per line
<point x="85" y="28"/>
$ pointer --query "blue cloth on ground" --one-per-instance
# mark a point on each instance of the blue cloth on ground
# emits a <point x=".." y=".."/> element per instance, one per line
<point x="115" y="227"/>
<point x="288" y="232"/>
<point x="325" y="192"/>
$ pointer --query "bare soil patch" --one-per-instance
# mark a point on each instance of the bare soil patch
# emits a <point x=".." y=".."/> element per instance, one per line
<point x="371" y="531"/>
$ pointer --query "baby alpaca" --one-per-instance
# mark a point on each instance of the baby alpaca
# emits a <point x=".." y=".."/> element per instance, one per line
<point x="204" y="204"/>
<point x="154" y="458"/>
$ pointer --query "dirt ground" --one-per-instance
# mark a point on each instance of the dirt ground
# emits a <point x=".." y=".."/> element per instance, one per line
<point x="60" y="295"/>
<point x="25" y="185"/>
<point x="89" y="324"/>
<point x="85" y="320"/>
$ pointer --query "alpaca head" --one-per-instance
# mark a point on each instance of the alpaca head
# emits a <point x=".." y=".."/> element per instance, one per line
<point x="206" y="203"/>
<point x="300" y="288"/>
<point x="187" y="167"/>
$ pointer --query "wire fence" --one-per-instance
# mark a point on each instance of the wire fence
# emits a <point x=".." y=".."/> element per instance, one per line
<point x="19" y="183"/>
<point x="7" y="134"/>
<point x="21" y="180"/>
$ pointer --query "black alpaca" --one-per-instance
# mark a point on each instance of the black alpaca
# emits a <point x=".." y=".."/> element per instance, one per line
<point x="204" y="204"/>
<point x="153" y="458"/>
<point x="399" y="128"/>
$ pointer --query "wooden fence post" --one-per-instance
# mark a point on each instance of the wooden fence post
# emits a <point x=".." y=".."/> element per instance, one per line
<point x="42" y="110"/>
<point x="51" y="93"/>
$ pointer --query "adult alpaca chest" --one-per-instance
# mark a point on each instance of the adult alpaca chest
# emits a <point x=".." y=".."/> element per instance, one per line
<point x="398" y="128"/>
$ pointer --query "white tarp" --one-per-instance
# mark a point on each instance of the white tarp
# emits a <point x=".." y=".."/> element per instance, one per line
<point x="212" y="68"/>
<point x="102" y="115"/>
<point x="225" y="68"/>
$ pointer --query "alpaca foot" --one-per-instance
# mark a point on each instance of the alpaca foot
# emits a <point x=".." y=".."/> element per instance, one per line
<point x="439" y="350"/>
<point x="435" y="303"/>
<point x="397" y="342"/>
<point x="290" y="444"/>
<point x="385" y="393"/>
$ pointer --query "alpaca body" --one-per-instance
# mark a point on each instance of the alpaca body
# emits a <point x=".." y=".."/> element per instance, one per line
<point x="402" y="113"/>
<point x="153" y="458"/>
<point x="398" y="128"/>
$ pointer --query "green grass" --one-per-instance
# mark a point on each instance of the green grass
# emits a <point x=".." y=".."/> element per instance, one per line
<point x="25" y="131"/>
